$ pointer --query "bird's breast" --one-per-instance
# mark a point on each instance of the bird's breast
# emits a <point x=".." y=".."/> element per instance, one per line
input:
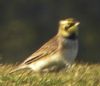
<point x="69" y="50"/>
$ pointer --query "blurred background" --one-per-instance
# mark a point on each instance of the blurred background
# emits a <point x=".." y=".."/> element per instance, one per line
<point x="25" y="25"/>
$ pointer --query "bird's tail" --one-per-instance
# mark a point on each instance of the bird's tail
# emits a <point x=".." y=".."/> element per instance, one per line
<point x="18" y="68"/>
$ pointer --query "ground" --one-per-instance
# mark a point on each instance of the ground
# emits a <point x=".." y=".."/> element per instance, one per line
<point x="77" y="75"/>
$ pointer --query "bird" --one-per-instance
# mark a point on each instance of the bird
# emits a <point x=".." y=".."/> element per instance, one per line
<point x="58" y="53"/>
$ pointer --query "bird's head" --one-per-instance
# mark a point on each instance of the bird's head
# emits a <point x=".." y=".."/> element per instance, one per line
<point x="68" y="27"/>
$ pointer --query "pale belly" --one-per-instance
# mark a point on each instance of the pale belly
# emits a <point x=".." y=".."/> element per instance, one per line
<point x="58" y="60"/>
<point x="54" y="62"/>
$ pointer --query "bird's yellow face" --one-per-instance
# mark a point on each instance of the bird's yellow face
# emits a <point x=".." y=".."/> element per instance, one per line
<point x="68" y="27"/>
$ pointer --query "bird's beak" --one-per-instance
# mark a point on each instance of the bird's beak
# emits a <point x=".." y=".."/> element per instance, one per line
<point x="77" y="23"/>
<point x="74" y="27"/>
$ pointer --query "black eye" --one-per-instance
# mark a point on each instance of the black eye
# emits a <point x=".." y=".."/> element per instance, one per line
<point x="70" y="25"/>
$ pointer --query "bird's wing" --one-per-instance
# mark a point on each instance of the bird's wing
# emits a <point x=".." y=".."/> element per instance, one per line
<point x="47" y="49"/>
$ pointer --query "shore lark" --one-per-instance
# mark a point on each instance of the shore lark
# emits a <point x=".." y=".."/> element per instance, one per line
<point x="59" y="52"/>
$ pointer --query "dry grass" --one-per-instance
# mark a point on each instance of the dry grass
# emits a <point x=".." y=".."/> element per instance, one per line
<point x="77" y="75"/>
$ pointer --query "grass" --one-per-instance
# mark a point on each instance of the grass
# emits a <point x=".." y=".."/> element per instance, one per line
<point x="77" y="75"/>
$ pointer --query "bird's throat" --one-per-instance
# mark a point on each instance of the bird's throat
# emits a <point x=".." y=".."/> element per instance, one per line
<point x="73" y="36"/>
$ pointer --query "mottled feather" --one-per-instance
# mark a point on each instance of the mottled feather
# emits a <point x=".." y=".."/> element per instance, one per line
<point x="49" y="48"/>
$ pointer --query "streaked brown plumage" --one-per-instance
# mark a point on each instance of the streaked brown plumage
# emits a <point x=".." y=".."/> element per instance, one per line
<point x="58" y="52"/>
